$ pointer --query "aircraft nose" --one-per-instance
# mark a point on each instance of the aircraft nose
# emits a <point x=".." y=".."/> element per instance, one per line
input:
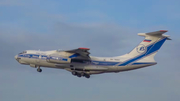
<point x="16" y="57"/>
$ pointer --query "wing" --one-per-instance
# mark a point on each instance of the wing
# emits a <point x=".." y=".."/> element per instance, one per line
<point x="82" y="52"/>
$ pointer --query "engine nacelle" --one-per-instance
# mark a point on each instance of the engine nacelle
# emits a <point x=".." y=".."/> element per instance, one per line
<point x="56" y="59"/>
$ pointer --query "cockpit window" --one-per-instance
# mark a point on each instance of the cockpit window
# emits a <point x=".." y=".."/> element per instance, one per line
<point x="23" y="52"/>
<point x="60" y="50"/>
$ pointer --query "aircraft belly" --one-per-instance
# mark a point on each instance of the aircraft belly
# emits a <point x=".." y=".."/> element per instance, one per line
<point x="132" y="67"/>
<point x="95" y="68"/>
<point x="119" y="69"/>
<point x="83" y="67"/>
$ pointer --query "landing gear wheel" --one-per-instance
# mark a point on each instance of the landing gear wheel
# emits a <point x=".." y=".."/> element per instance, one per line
<point x="78" y="75"/>
<point x="74" y="73"/>
<point x="39" y="70"/>
<point x="87" y="75"/>
<point x="82" y="74"/>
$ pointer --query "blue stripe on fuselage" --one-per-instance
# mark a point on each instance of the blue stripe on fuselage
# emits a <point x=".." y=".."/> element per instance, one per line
<point x="136" y="58"/>
<point x="143" y="63"/>
<point x="35" y="56"/>
<point x="156" y="46"/>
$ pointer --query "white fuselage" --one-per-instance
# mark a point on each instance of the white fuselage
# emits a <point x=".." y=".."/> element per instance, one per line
<point x="95" y="66"/>
<point x="80" y="63"/>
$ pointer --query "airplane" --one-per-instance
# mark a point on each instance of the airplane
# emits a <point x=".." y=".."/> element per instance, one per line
<point x="81" y="64"/>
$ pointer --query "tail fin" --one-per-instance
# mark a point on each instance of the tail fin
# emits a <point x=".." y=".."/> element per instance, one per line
<point x="148" y="48"/>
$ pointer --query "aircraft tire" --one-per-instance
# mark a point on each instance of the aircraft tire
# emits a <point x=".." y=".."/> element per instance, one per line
<point x="39" y="70"/>
<point x="82" y="74"/>
<point x="87" y="76"/>
<point x="74" y="73"/>
<point x="78" y="75"/>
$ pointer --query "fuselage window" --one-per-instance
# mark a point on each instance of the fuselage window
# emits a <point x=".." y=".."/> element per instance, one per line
<point x="36" y="56"/>
<point x="43" y="57"/>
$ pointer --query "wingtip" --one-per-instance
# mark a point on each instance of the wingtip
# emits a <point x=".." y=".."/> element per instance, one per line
<point x="163" y="30"/>
<point x="84" y="48"/>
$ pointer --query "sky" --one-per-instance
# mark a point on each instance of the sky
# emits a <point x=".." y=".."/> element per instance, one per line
<point x="108" y="28"/>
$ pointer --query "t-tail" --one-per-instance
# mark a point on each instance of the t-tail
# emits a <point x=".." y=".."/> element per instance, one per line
<point x="144" y="53"/>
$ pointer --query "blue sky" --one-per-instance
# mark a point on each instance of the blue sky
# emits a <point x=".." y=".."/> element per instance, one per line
<point x="108" y="28"/>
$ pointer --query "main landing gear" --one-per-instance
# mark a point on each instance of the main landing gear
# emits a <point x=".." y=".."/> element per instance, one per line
<point x="80" y="74"/>
<point x="39" y="69"/>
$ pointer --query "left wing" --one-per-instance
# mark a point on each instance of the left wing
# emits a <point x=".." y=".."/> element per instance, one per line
<point x="83" y="52"/>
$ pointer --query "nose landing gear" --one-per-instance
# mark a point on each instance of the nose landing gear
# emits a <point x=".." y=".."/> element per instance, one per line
<point x="39" y="69"/>
<point x="80" y="74"/>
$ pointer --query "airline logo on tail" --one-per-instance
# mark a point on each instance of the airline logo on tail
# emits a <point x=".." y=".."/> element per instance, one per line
<point x="141" y="48"/>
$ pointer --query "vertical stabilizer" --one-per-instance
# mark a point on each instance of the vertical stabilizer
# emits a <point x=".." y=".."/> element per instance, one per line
<point x="147" y="49"/>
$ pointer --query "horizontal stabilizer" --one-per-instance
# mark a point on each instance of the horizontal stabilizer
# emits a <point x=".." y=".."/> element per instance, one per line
<point x="169" y="39"/>
<point x="157" y="32"/>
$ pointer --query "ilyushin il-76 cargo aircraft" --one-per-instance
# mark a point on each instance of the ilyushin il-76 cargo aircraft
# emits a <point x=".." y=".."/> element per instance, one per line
<point x="81" y="64"/>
